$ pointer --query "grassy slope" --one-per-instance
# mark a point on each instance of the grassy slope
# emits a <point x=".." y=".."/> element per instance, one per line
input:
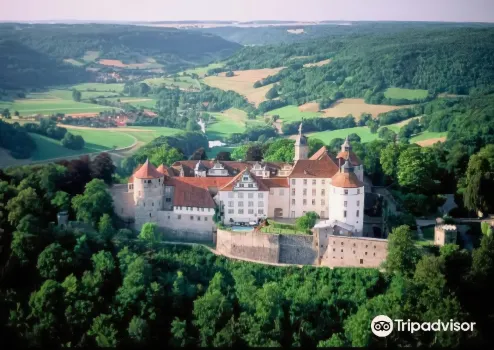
<point x="51" y="106"/>
<point x="409" y="94"/>
<point x="292" y="113"/>
<point x="201" y="71"/>
<point x="105" y="139"/>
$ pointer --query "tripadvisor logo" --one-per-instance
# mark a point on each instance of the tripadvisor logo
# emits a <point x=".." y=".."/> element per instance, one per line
<point x="382" y="326"/>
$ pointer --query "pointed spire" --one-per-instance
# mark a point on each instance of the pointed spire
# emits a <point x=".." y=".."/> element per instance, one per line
<point x="147" y="171"/>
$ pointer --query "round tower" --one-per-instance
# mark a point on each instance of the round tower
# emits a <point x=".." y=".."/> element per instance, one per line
<point x="301" y="146"/>
<point x="148" y="194"/>
<point x="347" y="153"/>
<point x="346" y="198"/>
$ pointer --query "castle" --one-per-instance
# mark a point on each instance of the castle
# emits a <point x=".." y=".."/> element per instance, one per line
<point x="183" y="199"/>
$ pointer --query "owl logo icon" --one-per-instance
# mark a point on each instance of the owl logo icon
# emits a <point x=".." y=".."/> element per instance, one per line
<point x="382" y="326"/>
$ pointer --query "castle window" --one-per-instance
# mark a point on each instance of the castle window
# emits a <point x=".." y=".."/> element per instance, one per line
<point x="198" y="218"/>
<point x="250" y="195"/>
<point x="168" y="217"/>
<point x="271" y="191"/>
<point x="202" y="209"/>
<point x="250" y="185"/>
<point x="341" y="243"/>
<point x="159" y="180"/>
<point x="246" y="178"/>
<point x="293" y="181"/>
<point x="231" y="211"/>
<point x="323" y="202"/>
<point x="152" y="204"/>
<point x="323" y="181"/>
<point x="192" y="217"/>
<point x="357" y="212"/>
<point x="314" y="181"/>
<point x="365" y="253"/>
<point x="366" y="245"/>
<point x="240" y="211"/>
<point x="240" y="195"/>
<point x="144" y="204"/>
<point x="361" y="261"/>
<point x="346" y="191"/>
<point x="341" y="257"/>
<point x="344" y="213"/>
<point x="305" y="181"/>
<point x="342" y="250"/>
<point x="374" y="247"/>
<point x="241" y="204"/>
<point x="293" y="192"/>
<point x="313" y="191"/>
<point x="180" y="208"/>
<point x="260" y="204"/>
<point x="323" y="192"/>
<point x="358" y="190"/>
<point x="230" y="204"/>
<point x="313" y="202"/>
<point x="251" y="204"/>
<point x="354" y="252"/>
<point x="179" y="217"/>
<point x="149" y="214"/>
<point x="334" y="249"/>
<point x="251" y="211"/>
<point x="260" y="195"/>
<point x="293" y="201"/>
<point x="304" y="202"/>
<point x="354" y="244"/>
<point x="345" y="204"/>
<point x="260" y="211"/>
<point x="374" y="254"/>
<point x="305" y="192"/>
<point x="241" y="185"/>
<point x="205" y="219"/>
<point x="358" y="203"/>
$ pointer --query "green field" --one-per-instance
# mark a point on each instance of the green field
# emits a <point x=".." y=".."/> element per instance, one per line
<point x="409" y="94"/>
<point x="427" y="135"/>
<point x="292" y="113"/>
<point x="47" y="148"/>
<point x="27" y="107"/>
<point x="201" y="71"/>
<point x="115" y="87"/>
<point x="67" y="94"/>
<point x="73" y="62"/>
<point x="362" y="131"/>
<point x="149" y="133"/>
<point x="183" y="83"/>
<point x="105" y="139"/>
<point x="223" y="126"/>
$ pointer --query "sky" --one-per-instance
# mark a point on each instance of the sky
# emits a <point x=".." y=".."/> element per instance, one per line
<point x="245" y="10"/>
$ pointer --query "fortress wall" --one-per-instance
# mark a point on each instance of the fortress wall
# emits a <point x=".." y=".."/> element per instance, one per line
<point x="249" y="245"/>
<point x="297" y="249"/>
<point x="343" y="251"/>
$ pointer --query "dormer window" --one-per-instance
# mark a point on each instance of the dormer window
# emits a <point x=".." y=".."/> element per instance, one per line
<point x="246" y="178"/>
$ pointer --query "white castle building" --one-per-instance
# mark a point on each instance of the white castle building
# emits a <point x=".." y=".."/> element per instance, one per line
<point x="184" y="198"/>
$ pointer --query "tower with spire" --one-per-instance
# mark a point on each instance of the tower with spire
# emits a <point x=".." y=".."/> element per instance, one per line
<point x="346" y="153"/>
<point x="301" y="146"/>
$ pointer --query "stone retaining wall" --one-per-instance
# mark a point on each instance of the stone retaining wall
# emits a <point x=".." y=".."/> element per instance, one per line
<point x="249" y="245"/>
<point x="297" y="249"/>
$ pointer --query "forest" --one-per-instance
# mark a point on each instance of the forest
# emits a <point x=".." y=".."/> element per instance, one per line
<point x="31" y="55"/>
<point x="98" y="284"/>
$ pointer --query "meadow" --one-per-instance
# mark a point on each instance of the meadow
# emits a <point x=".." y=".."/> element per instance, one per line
<point x="292" y="113"/>
<point x="201" y="71"/>
<point x="104" y="139"/>
<point x="409" y="94"/>
<point x="243" y="83"/>
<point x="27" y="107"/>
<point x="231" y="121"/>
<point x="136" y="101"/>
<point x="114" y="87"/>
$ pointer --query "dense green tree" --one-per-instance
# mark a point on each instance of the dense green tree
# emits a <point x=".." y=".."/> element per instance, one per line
<point x="61" y="201"/>
<point x="102" y="167"/>
<point x="416" y="168"/>
<point x="166" y="155"/>
<point x="307" y="221"/>
<point x="96" y="201"/>
<point x="74" y="142"/>
<point x="53" y="261"/>
<point x="76" y="95"/>
<point x="479" y="181"/>
<point x="26" y="202"/>
<point x="281" y="150"/>
<point x="403" y="255"/>
<point x="104" y="332"/>
<point x="272" y="93"/>
<point x="149" y="233"/>
<point x="105" y="227"/>
<point x="6" y="113"/>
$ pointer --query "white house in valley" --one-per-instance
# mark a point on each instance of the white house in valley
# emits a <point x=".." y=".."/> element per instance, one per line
<point x="184" y="197"/>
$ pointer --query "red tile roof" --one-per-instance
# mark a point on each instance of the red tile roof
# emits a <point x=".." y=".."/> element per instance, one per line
<point x="205" y="182"/>
<point x="188" y="195"/>
<point x="147" y="171"/>
<point x="346" y="180"/>
<point x="276" y="182"/>
<point x="354" y="159"/>
<point x="306" y="168"/>
<point x="166" y="170"/>
<point x="322" y="151"/>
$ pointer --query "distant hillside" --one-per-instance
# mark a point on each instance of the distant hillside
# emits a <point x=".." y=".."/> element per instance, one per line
<point x="55" y="50"/>
<point x="267" y="35"/>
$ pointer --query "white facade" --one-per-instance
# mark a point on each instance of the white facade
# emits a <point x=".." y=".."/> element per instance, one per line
<point x="347" y="206"/>
<point x="309" y="194"/>
<point x="279" y="202"/>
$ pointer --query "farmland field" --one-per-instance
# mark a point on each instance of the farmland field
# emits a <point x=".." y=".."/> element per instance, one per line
<point x="231" y="121"/>
<point x="101" y="138"/>
<point x="51" y="106"/>
<point x="243" y="83"/>
<point x="47" y="148"/>
<point x="149" y="133"/>
<point x="362" y="131"/>
<point x="73" y="62"/>
<point x="355" y="107"/>
<point x="90" y="56"/>
<point x="115" y="87"/>
<point x="136" y="101"/>
<point x="149" y="63"/>
<point x="409" y="94"/>
<point x="183" y="83"/>
<point x="201" y="71"/>
<point x="292" y="113"/>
